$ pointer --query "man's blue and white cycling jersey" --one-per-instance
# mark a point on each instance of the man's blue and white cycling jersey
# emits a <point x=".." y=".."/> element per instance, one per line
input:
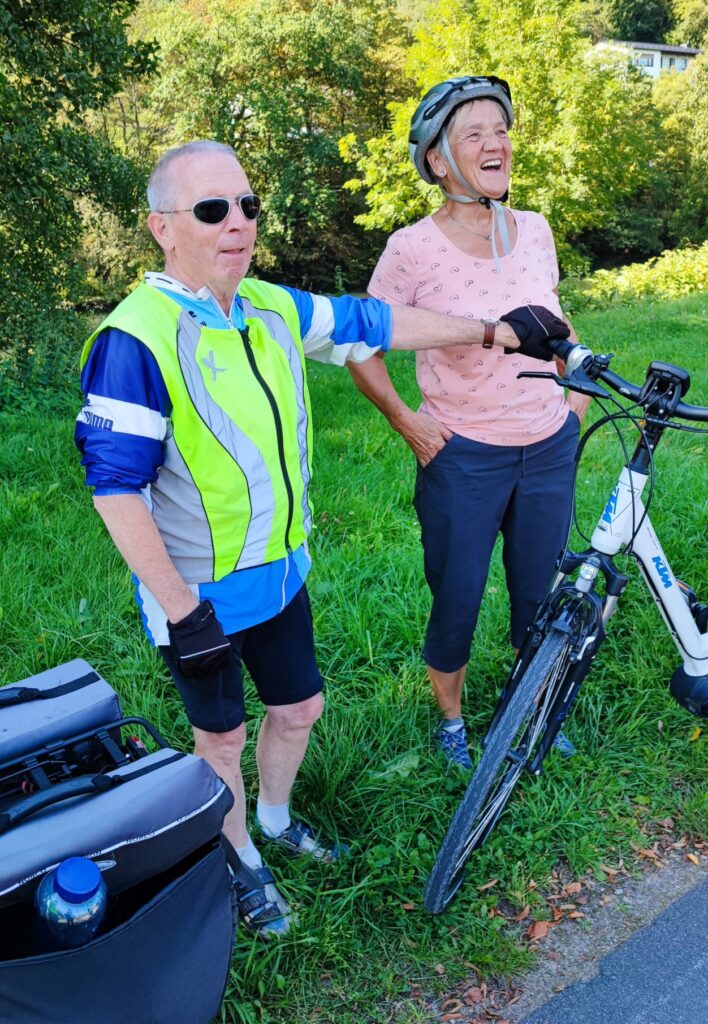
<point x="122" y="426"/>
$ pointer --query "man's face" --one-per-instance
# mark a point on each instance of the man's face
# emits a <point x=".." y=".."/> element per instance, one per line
<point x="197" y="254"/>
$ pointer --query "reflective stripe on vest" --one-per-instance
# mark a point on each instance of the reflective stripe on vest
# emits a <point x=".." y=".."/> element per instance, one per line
<point x="278" y="330"/>
<point x="239" y="446"/>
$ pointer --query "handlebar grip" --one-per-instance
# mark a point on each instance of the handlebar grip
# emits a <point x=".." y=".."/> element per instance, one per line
<point x="560" y="347"/>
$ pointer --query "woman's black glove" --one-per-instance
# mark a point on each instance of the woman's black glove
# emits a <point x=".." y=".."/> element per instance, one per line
<point x="533" y="326"/>
<point x="198" y="642"/>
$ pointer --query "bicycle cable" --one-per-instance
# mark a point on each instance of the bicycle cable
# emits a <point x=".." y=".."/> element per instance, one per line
<point x="624" y="412"/>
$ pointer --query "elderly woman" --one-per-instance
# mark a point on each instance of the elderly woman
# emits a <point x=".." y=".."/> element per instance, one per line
<point x="495" y="454"/>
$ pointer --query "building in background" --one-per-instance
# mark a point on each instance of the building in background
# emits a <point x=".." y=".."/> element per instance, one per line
<point x="655" y="58"/>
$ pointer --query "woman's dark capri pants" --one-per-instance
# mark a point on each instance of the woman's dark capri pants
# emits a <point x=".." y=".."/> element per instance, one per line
<point x="464" y="497"/>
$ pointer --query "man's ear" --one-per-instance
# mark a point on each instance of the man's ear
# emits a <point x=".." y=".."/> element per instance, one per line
<point x="161" y="230"/>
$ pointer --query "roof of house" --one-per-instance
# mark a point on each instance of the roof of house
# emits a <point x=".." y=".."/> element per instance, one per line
<point x="682" y="51"/>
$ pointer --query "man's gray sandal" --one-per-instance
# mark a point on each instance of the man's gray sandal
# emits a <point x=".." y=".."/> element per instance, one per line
<point x="298" y="840"/>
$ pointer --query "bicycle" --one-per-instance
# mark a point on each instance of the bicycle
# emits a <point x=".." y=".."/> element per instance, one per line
<point x="570" y="623"/>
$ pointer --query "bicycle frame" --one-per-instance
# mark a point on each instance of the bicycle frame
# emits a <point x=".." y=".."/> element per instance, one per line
<point x="623" y="515"/>
<point x="624" y="522"/>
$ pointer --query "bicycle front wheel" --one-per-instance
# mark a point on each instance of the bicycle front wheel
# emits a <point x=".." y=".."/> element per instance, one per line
<point x="508" y="750"/>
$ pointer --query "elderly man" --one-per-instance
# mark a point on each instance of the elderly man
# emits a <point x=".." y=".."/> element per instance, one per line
<point x="196" y="435"/>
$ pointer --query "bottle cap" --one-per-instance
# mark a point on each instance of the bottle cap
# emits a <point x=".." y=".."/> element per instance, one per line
<point x="77" y="879"/>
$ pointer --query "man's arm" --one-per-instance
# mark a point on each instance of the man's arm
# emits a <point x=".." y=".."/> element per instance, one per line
<point x="133" y="531"/>
<point x="421" y="432"/>
<point x="416" y="328"/>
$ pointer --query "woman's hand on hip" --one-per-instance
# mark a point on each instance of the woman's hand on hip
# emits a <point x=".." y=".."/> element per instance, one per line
<point x="424" y="435"/>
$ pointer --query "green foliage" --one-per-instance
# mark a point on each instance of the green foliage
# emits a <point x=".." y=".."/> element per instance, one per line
<point x="370" y="775"/>
<point x="645" y="21"/>
<point x="282" y="81"/>
<point x="682" y="100"/>
<point x="586" y="127"/>
<point x="691" y="26"/>
<point x="57" y="61"/>
<point x="669" y="276"/>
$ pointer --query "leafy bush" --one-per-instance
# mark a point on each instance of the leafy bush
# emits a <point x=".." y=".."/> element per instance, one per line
<point x="675" y="273"/>
<point x="40" y="370"/>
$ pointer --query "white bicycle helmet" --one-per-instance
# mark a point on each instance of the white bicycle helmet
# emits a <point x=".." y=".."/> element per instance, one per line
<point x="439" y="103"/>
<point x="429" y="128"/>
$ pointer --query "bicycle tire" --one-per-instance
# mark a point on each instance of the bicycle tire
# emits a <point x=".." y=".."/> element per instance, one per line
<point x="496" y="772"/>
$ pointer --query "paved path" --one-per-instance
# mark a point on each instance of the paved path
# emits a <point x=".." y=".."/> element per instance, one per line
<point x="658" y="976"/>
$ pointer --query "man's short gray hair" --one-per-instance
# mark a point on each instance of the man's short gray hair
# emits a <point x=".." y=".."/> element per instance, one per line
<point x="161" y="191"/>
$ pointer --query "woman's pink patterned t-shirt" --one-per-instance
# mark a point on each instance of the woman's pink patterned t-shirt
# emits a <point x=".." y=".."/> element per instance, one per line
<point x="473" y="391"/>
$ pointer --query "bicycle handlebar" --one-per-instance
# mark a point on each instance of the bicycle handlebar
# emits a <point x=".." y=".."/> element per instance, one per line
<point x="586" y="361"/>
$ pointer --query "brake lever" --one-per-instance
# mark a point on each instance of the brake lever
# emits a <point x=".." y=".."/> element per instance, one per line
<point x="579" y="381"/>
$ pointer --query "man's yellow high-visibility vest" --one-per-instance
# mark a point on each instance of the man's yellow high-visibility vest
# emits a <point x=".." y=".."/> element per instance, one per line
<point x="233" y="489"/>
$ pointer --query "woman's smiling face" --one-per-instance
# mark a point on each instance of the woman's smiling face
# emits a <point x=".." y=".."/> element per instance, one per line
<point x="479" y="141"/>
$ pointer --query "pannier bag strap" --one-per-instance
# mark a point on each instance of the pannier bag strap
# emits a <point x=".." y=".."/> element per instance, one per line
<point x="86" y="786"/>
<point x="11" y="695"/>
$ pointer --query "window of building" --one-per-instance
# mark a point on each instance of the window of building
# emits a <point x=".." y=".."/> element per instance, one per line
<point x="646" y="60"/>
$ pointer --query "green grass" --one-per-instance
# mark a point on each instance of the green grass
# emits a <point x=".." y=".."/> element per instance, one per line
<point x="369" y="776"/>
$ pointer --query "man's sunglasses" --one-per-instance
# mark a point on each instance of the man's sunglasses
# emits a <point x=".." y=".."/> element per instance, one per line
<point x="214" y="211"/>
<point x="462" y="83"/>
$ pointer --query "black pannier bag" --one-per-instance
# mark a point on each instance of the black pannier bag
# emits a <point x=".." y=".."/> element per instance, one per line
<point x="77" y="779"/>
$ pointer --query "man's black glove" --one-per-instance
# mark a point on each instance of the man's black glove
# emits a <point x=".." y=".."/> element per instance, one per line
<point x="533" y="326"/>
<point x="198" y="642"/>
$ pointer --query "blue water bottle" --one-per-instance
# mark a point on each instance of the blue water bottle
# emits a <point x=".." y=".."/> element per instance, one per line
<point x="71" y="902"/>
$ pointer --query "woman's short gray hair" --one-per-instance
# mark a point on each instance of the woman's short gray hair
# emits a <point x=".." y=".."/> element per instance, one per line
<point x="161" y="192"/>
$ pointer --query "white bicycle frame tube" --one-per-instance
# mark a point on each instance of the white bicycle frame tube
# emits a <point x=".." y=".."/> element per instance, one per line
<point x="624" y="512"/>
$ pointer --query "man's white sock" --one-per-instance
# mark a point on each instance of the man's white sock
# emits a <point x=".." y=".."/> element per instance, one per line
<point x="273" y="818"/>
<point x="250" y="855"/>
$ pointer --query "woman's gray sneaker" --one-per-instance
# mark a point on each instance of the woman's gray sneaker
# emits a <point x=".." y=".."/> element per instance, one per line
<point x="454" y="745"/>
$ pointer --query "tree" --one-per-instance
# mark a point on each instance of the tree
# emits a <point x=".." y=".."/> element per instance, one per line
<point x="691" y="23"/>
<point x="585" y="133"/>
<point x="58" y="59"/>
<point x="281" y="81"/>
<point x="645" y="21"/>
<point x="683" y="102"/>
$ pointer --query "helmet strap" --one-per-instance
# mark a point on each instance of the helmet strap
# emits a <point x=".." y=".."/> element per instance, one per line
<point x="495" y="205"/>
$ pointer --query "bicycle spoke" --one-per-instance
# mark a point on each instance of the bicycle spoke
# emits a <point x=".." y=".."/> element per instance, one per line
<point x="509" y="749"/>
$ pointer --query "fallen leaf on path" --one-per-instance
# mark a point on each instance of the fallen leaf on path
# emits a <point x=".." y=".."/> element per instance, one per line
<point x="451" y="1016"/>
<point x="576" y="914"/>
<point x="693" y="859"/>
<point x="538" y="930"/>
<point x="643" y="852"/>
<point x="439" y="969"/>
<point x="695" y="734"/>
<point x="487" y="885"/>
<point x="452" y="1005"/>
<point x="522" y="915"/>
<point x="573" y="887"/>
<point x="408" y="906"/>
<point x="472" y="995"/>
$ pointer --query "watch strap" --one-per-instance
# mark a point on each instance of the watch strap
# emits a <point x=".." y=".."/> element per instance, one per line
<point x="490" y="327"/>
